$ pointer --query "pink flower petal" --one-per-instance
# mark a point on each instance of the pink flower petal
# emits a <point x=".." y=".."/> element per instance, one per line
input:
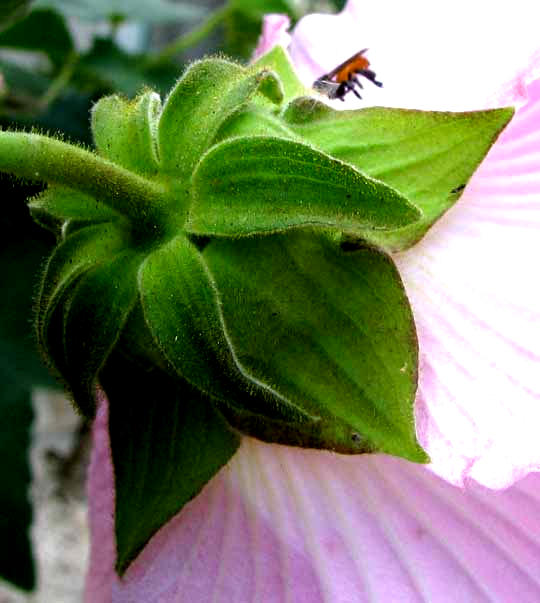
<point x="473" y="286"/>
<point x="274" y="32"/>
<point x="100" y="489"/>
<point x="428" y="57"/>
<point x="282" y="524"/>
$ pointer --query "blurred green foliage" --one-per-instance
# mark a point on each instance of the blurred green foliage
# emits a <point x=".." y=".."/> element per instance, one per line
<point x="24" y="247"/>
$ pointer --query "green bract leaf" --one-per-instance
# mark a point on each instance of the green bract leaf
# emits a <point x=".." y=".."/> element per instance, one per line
<point x="125" y="131"/>
<point x="167" y="441"/>
<point x="426" y="156"/>
<point x="58" y="204"/>
<point x="180" y="307"/>
<point x="71" y="259"/>
<point x="253" y="120"/>
<point x="206" y="95"/>
<point x="41" y="30"/>
<point x="98" y="308"/>
<point x="278" y="60"/>
<point x="332" y="329"/>
<point x="262" y="184"/>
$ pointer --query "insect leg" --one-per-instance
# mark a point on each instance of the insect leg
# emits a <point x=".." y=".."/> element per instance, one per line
<point x="371" y="76"/>
<point x="351" y="88"/>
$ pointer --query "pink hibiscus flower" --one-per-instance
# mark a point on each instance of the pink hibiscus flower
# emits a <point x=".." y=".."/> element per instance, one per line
<point x="280" y="524"/>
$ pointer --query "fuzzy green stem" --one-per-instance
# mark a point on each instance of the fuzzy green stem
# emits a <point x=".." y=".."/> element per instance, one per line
<point x="191" y="38"/>
<point x="46" y="159"/>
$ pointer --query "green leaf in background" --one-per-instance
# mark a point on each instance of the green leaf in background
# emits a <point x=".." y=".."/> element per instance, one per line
<point x="426" y="156"/>
<point x="108" y="68"/>
<point x="11" y="11"/>
<point x="41" y="30"/>
<point x="16" y="414"/>
<point x="21" y="82"/>
<point x="332" y="330"/>
<point x="244" y="21"/>
<point x="259" y="8"/>
<point x="167" y="442"/>
<point x="156" y="11"/>
<point x="260" y="184"/>
<point x="339" y="5"/>
<point x="22" y="254"/>
<point x="22" y="106"/>
<point x="24" y="247"/>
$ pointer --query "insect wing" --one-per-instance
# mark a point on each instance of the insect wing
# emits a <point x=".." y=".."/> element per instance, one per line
<point x="334" y="72"/>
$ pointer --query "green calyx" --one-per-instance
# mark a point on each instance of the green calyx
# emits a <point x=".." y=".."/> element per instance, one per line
<point x="222" y="269"/>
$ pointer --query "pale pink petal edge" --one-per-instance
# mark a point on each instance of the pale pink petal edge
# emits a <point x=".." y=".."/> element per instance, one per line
<point x="274" y="32"/>
<point x="476" y="304"/>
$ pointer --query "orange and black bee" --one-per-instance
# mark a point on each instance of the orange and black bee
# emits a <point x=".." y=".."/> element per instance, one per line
<point x="343" y="79"/>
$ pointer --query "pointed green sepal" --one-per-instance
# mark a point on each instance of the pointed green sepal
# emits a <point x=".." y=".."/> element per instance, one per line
<point x="84" y="322"/>
<point x="261" y="184"/>
<point x="426" y="156"/>
<point x="167" y="442"/>
<point x="93" y="321"/>
<point x="331" y="328"/>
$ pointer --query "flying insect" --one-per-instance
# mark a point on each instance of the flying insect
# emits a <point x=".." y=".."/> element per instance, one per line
<point x="344" y="78"/>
